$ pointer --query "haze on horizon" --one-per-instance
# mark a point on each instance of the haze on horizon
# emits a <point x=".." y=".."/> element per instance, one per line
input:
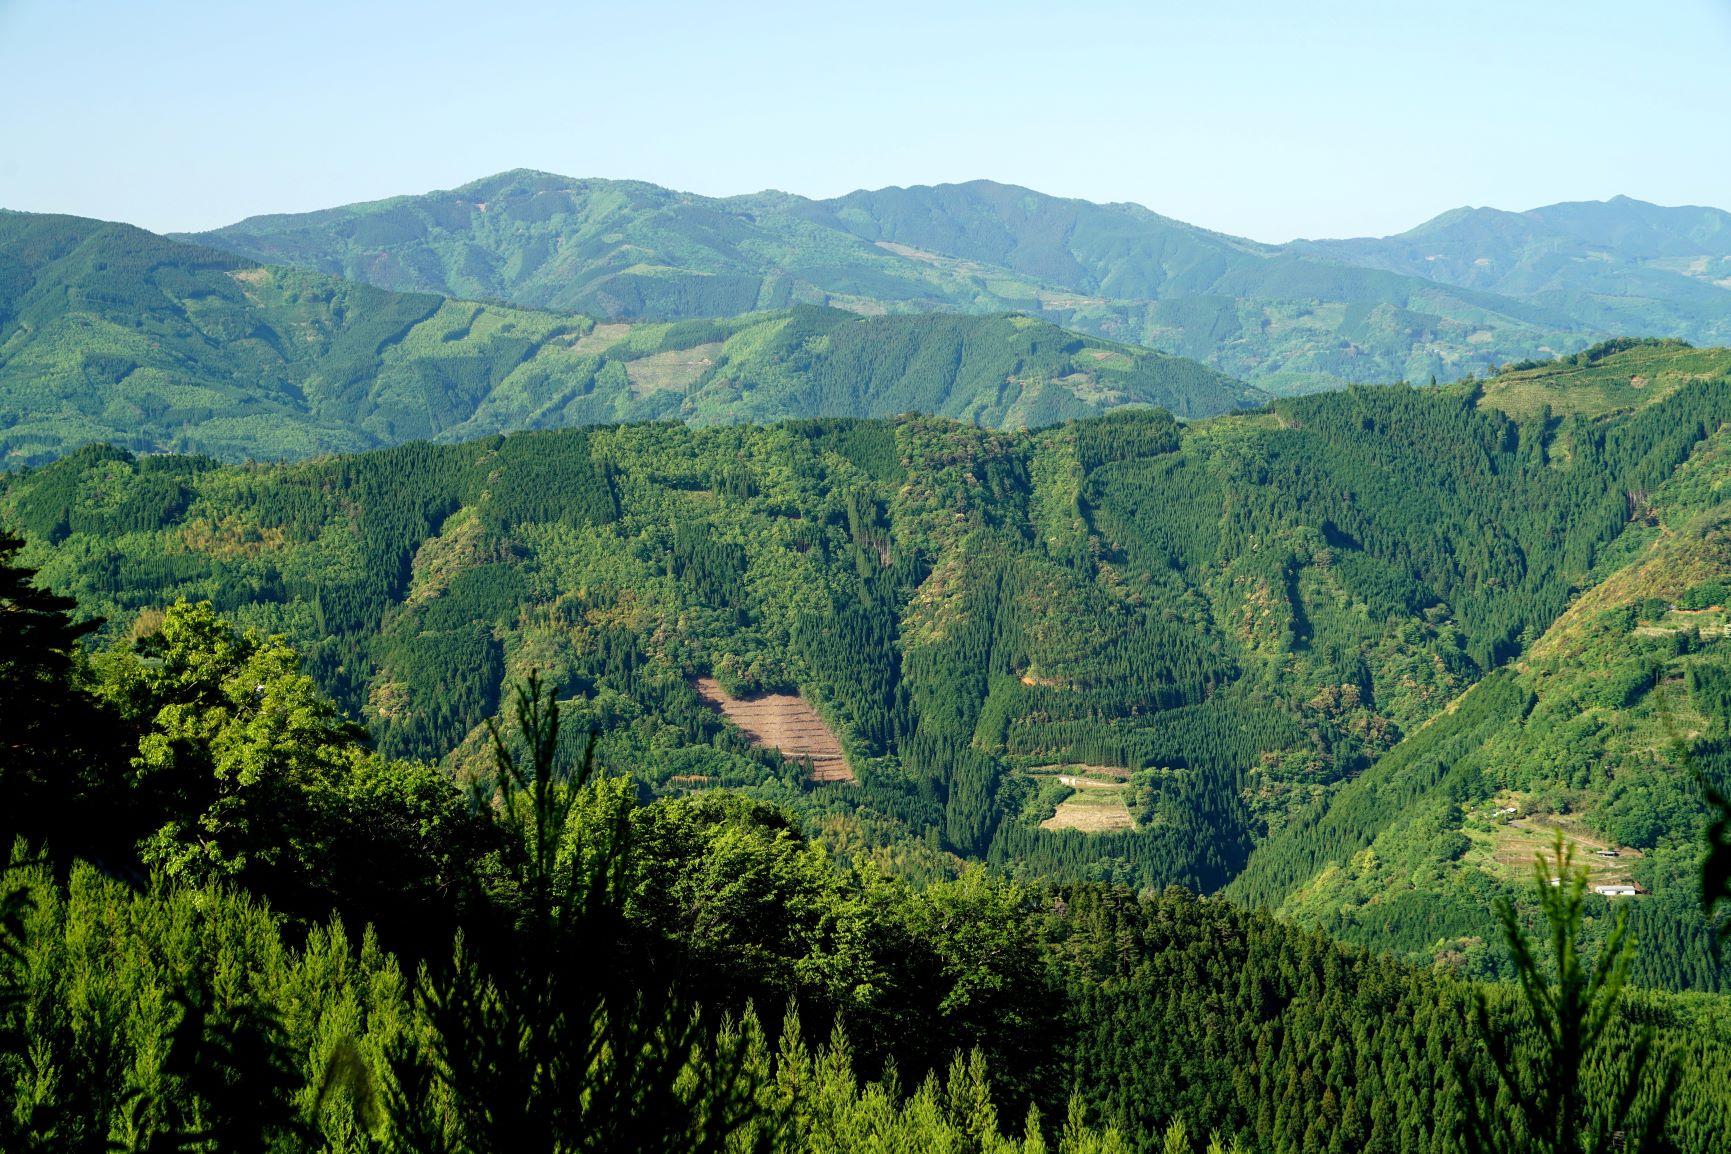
<point x="1254" y="118"/>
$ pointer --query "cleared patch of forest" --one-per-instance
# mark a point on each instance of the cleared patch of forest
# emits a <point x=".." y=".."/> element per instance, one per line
<point x="785" y="722"/>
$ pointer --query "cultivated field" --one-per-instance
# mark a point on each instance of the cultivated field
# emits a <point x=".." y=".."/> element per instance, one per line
<point x="1508" y="852"/>
<point x="1092" y="811"/>
<point x="1097" y="806"/>
<point x="783" y="722"/>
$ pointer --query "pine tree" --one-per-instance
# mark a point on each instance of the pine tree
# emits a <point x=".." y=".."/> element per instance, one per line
<point x="1542" y="1065"/>
<point x="54" y="738"/>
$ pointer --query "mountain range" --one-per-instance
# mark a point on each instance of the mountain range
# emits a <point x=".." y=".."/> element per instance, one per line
<point x="1466" y="292"/>
<point x="110" y="333"/>
<point x="896" y="655"/>
<point x="968" y="538"/>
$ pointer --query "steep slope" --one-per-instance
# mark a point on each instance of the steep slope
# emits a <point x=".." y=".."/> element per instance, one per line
<point x="630" y="250"/>
<point x="1207" y="626"/>
<point x="1596" y="734"/>
<point x="111" y="333"/>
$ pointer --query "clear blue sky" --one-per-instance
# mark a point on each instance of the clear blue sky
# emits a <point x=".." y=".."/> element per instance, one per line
<point x="1268" y="119"/>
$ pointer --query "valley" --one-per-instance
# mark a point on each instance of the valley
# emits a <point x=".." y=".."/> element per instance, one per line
<point x="971" y="624"/>
<point x="909" y="704"/>
<point x="1163" y="587"/>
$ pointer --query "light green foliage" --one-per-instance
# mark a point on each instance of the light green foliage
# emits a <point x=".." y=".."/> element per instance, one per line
<point x="826" y="1109"/>
<point x="1448" y="299"/>
<point x="177" y="1012"/>
<point x="1613" y="375"/>
<point x="1569" y="1005"/>
<point x="108" y="333"/>
<point x="234" y="709"/>
<point x="1607" y="731"/>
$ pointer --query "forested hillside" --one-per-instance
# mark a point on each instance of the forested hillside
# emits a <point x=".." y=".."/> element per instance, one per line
<point x="1277" y="317"/>
<point x="1621" y="264"/>
<point x="108" y="333"/>
<point x="688" y="974"/>
<point x="1605" y="730"/>
<point x="1118" y="648"/>
<point x="570" y="666"/>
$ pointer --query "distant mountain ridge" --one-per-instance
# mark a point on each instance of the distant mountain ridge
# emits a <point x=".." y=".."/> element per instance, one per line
<point x="110" y="333"/>
<point x="1293" y="317"/>
<point x="1620" y="265"/>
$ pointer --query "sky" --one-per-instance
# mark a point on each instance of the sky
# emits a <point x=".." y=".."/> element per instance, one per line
<point x="1265" y="119"/>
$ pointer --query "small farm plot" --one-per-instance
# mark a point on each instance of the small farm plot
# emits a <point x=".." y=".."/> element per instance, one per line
<point x="1099" y="803"/>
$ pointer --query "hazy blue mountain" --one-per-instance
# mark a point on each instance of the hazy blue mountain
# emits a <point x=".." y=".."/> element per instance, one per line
<point x="1619" y="265"/>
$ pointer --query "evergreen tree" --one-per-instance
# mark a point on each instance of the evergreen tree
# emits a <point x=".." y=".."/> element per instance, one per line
<point x="1550" y="1104"/>
<point x="1716" y="866"/>
<point x="55" y="741"/>
<point x="546" y="1036"/>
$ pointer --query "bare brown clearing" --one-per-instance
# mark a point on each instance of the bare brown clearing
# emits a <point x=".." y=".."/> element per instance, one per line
<point x="784" y="722"/>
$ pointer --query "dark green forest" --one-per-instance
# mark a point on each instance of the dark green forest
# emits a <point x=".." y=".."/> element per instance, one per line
<point x="377" y="801"/>
<point x="1122" y="650"/>
<point x="230" y="924"/>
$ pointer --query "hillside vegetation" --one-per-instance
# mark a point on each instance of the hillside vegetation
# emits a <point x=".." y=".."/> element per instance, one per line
<point x="1219" y="626"/>
<point x="108" y="333"/>
<point x="1611" y="376"/>
<point x="1275" y="316"/>
<point x="1462" y="294"/>
<point x="338" y="951"/>
<point x="1604" y="732"/>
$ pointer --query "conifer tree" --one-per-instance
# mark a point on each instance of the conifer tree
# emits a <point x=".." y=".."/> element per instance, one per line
<point x="1542" y="1066"/>
<point x="546" y="1036"/>
<point x="53" y="751"/>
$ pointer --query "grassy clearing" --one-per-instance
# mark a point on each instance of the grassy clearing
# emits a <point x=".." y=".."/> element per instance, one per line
<point x="674" y="369"/>
<point x="1508" y="850"/>
<point x="1097" y="802"/>
<point x="600" y="338"/>
<point x="1625" y="380"/>
<point x="1097" y="809"/>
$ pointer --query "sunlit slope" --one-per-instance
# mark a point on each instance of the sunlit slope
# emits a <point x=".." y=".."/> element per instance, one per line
<point x="1278" y="317"/>
<point x="1596" y="734"/>
<point x="109" y="333"/>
